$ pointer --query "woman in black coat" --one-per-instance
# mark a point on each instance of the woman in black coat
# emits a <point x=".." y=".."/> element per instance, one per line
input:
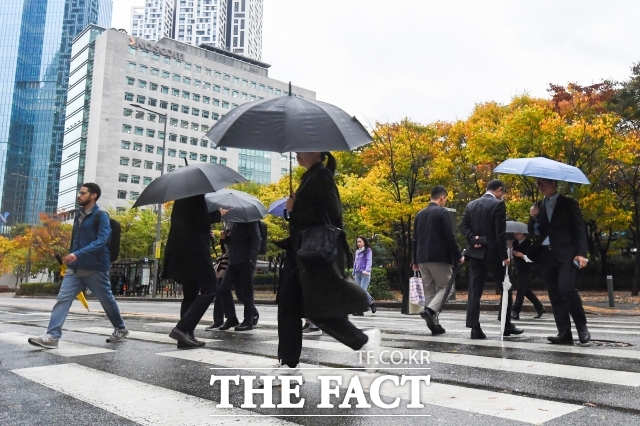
<point x="325" y="295"/>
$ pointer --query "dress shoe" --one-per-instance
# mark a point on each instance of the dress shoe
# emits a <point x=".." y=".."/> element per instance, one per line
<point x="428" y="317"/>
<point x="214" y="326"/>
<point x="183" y="338"/>
<point x="438" y="330"/>
<point x="515" y="315"/>
<point x="255" y="319"/>
<point x="230" y="322"/>
<point x="583" y="334"/>
<point x="245" y="326"/>
<point x="358" y="314"/>
<point x="540" y="312"/>
<point x="511" y="329"/>
<point x="562" y="339"/>
<point x="477" y="334"/>
<point x="199" y="342"/>
<point x="373" y="308"/>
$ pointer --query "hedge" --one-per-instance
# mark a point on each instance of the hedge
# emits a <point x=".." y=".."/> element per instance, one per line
<point x="38" y="289"/>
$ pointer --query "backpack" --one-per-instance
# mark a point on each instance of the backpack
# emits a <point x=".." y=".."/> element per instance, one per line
<point x="263" y="237"/>
<point x="113" y="243"/>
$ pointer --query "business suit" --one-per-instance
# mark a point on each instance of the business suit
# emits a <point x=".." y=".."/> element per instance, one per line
<point x="524" y="272"/>
<point x="567" y="238"/>
<point x="243" y="245"/>
<point x="435" y="251"/>
<point x="485" y="217"/>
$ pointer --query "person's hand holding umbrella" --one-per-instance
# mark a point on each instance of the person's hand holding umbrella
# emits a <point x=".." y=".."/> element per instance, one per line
<point x="290" y="201"/>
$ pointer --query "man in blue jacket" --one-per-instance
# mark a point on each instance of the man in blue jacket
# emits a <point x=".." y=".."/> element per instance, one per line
<point x="88" y="265"/>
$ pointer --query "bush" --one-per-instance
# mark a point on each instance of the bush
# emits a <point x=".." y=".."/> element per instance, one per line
<point x="379" y="285"/>
<point x="38" y="289"/>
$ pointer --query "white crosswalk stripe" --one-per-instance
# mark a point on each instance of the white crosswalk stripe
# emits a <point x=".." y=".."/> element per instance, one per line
<point x="65" y="348"/>
<point x="135" y="335"/>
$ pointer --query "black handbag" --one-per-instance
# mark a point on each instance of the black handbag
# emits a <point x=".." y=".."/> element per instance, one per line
<point x="320" y="244"/>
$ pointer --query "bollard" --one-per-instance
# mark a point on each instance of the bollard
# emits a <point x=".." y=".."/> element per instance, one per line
<point x="612" y="303"/>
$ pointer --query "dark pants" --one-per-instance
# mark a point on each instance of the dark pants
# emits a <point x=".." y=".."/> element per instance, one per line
<point x="195" y="305"/>
<point x="218" y="310"/>
<point x="563" y="294"/>
<point x="524" y="279"/>
<point x="239" y="276"/>
<point x="290" y="320"/>
<point x="478" y="270"/>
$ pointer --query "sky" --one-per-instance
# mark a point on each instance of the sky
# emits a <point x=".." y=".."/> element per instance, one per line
<point x="435" y="60"/>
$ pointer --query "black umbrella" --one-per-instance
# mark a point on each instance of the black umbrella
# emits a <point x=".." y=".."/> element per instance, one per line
<point x="243" y="207"/>
<point x="187" y="181"/>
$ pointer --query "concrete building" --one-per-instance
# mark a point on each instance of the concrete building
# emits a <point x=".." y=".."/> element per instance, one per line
<point x="153" y="21"/>
<point x="120" y="147"/>
<point x="244" y="28"/>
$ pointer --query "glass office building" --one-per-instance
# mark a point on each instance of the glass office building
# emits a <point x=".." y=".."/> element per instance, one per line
<point x="35" y="53"/>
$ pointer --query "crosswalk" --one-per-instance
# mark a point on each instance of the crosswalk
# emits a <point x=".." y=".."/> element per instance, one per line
<point x="518" y="380"/>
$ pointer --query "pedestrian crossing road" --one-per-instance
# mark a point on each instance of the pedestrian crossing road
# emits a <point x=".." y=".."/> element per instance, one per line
<point x="147" y="380"/>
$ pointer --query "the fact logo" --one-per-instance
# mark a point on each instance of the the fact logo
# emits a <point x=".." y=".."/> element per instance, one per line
<point x="155" y="47"/>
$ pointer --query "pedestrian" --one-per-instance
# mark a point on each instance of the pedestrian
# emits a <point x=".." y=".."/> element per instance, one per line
<point x="560" y="249"/>
<point x="220" y="267"/>
<point x="323" y="293"/>
<point x="88" y="265"/>
<point x="243" y="245"/>
<point x="362" y="264"/>
<point x="187" y="260"/>
<point x="434" y="253"/>
<point x="484" y="225"/>
<point x="524" y="268"/>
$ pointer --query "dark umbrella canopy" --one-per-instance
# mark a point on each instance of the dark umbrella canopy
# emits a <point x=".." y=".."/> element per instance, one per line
<point x="243" y="207"/>
<point x="289" y="124"/>
<point x="195" y="179"/>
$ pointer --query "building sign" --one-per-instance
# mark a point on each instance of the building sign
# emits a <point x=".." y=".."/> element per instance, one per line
<point x="155" y="47"/>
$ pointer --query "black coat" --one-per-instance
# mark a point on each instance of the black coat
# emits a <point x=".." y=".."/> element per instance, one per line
<point x="326" y="291"/>
<point x="567" y="231"/>
<point x="486" y="217"/>
<point x="187" y="258"/>
<point x="433" y="239"/>
<point x="521" y="265"/>
<point x="243" y="242"/>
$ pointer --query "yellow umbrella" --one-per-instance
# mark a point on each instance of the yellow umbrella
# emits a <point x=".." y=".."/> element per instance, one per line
<point x="80" y="296"/>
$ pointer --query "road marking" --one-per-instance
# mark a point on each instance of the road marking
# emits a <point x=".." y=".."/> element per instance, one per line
<point x="65" y="348"/>
<point x="134" y="335"/>
<point x="512" y="407"/>
<point x="137" y="401"/>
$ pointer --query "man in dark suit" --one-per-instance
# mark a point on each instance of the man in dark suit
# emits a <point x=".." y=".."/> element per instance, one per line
<point x="484" y="225"/>
<point x="524" y="270"/>
<point x="243" y="245"/>
<point x="560" y="249"/>
<point x="434" y="253"/>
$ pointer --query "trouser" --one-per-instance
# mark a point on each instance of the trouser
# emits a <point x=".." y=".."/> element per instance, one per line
<point x="363" y="281"/>
<point x="218" y="310"/>
<point x="195" y="302"/>
<point x="290" y="324"/>
<point x="524" y="279"/>
<point x="478" y="270"/>
<point x="435" y="277"/>
<point x="563" y="294"/>
<point x="99" y="284"/>
<point x="240" y="276"/>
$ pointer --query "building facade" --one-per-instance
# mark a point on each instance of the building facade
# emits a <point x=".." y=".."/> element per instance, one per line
<point x="233" y="25"/>
<point x="35" y="52"/>
<point x="120" y="146"/>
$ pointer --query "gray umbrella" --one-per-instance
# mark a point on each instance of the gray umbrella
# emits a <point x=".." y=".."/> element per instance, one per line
<point x="195" y="179"/>
<point x="289" y="124"/>
<point x="244" y="207"/>
<point x="517" y="227"/>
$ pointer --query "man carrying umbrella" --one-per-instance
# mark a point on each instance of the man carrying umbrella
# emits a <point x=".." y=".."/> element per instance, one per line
<point x="484" y="227"/>
<point x="560" y="249"/>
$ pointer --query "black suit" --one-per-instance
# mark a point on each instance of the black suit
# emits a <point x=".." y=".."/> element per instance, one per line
<point x="243" y="244"/>
<point x="484" y="217"/>
<point x="524" y="273"/>
<point x="567" y="239"/>
<point x="433" y="237"/>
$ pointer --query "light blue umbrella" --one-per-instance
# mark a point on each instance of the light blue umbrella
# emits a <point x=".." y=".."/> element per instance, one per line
<point x="277" y="207"/>
<point x="542" y="167"/>
<point x="243" y="207"/>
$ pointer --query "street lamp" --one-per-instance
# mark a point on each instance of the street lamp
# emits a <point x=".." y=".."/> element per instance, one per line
<point x="35" y="200"/>
<point x="159" y="223"/>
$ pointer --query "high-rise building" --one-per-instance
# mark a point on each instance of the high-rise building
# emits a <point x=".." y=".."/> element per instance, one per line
<point x="233" y="25"/>
<point x="35" y="53"/>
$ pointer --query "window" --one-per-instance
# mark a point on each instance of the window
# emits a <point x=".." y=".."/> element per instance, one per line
<point x="159" y="150"/>
<point x="206" y="100"/>
<point x="234" y="93"/>
<point x="253" y="85"/>
<point x="278" y="92"/>
<point x="126" y="128"/>
<point x="195" y="111"/>
<point x="204" y="127"/>
<point x="177" y="63"/>
<point x="203" y="158"/>
<point x="185" y="109"/>
<point x="216" y="88"/>
<point x="139" y="115"/>
<point x="165" y="74"/>
<point x="173" y="122"/>
<point x="213" y="159"/>
<point x="173" y="137"/>
<point x="206" y="86"/>
<point x="245" y="82"/>
<point x="137" y="146"/>
<point x="141" y="99"/>
<point x="143" y="69"/>
<point x="185" y="94"/>
<point x="153" y="87"/>
<point x="148" y="165"/>
<point x="176" y="77"/>
<point x="186" y="65"/>
<point x="223" y="148"/>
<point x="233" y="106"/>
<point x="183" y="139"/>
<point x="243" y="95"/>
<point x="136" y="162"/>
<point x="215" y="116"/>
<point x="207" y="71"/>
<point x="193" y="156"/>
<point x="123" y="177"/>
<point x="132" y="50"/>
<point x="149" y="149"/>
<point x="269" y="89"/>
<point x="196" y="97"/>
<point x="151" y="117"/>
<point x="164" y="104"/>
<point x="155" y="57"/>
<point x="128" y="96"/>
<point x="195" y="126"/>
<point x="175" y="92"/>
<point x="252" y="98"/>
<point x="198" y="69"/>
<point x="171" y="153"/>
<point x="216" y="102"/>
<point x="146" y="180"/>
<point x="158" y="166"/>
<point x="144" y="54"/>
<point x="153" y="102"/>
<point x="171" y="167"/>
<point x="225" y="90"/>
<point x="236" y="80"/>
<point x="166" y="60"/>
<point x="226" y="77"/>
<point x="134" y="195"/>
<point x="160" y="135"/>
<point x="124" y="161"/>
<point x="205" y="114"/>
<point x="196" y="83"/>
<point x="184" y="124"/>
<point x="225" y="104"/>
<point x="122" y="195"/>
<point x="186" y="80"/>
<point x="194" y="141"/>
<point x="183" y="154"/>
<point x="174" y="107"/>
<point x="164" y="89"/>
<point x="125" y="145"/>
<point x="130" y="81"/>
<point x="154" y="71"/>
<point x="127" y="112"/>
<point x="216" y="74"/>
<point x="261" y="87"/>
<point x="138" y="131"/>
<point x="131" y="65"/>
<point x="135" y="179"/>
<point x="223" y="161"/>
<point x="203" y="143"/>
